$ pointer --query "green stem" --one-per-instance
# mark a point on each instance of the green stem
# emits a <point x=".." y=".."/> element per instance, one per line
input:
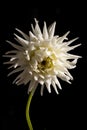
<point x="27" y="110"/>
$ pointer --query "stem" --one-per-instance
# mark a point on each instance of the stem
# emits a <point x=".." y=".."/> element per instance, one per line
<point x="27" y="110"/>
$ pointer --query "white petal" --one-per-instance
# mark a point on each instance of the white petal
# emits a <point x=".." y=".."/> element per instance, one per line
<point x="17" y="78"/>
<point x="22" y="41"/>
<point x="69" y="42"/>
<point x="21" y="78"/>
<point x="71" y="56"/>
<point x="55" y="87"/>
<point x="41" y="76"/>
<point x="23" y="34"/>
<point x="12" y="52"/>
<point x="41" y="81"/>
<point x="37" y="30"/>
<point x="27" y="55"/>
<point x="16" y="70"/>
<point x="65" y="35"/>
<point x="16" y="65"/>
<point x="69" y="65"/>
<point x="61" y="39"/>
<point x="33" y="84"/>
<point x="57" y="82"/>
<point x="19" y="82"/>
<point x="16" y="46"/>
<point x="45" y="32"/>
<point x="73" y="47"/>
<point x="30" y="72"/>
<point x="9" y="62"/>
<point x="11" y="67"/>
<point x="74" y="62"/>
<point x="32" y="36"/>
<point x="64" y="77"/>
<point x="67" y="73"/>
<point x="9" y="56"/>
<point x="42" y="88"/>
<point x="48" y="83"/>
<point x="35" y="77"/>
<point x="51" y="30"/>
<point x="13" y="58"/>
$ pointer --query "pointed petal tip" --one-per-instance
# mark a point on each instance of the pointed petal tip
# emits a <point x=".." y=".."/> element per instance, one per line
<point x="49" y="91"/>
<point x="44" y="22"/>
<point x="56" y="90"/>
<point x="55" y="22"/>
<point x="36" y="21"/>
<point x="57" y="93"/>
<point x="76" y="38"/>
<point x="80" y="57"/>
<point x="17" y="29"/>
<point x="68" y="32"/>
<point x="69" y="82"/>
<point x="48" y="88"/>
<point x="15" y="34"/>
<point x="7" y="41"/>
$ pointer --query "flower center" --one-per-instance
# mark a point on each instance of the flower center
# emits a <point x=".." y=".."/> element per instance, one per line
<point x="45" y="64"/>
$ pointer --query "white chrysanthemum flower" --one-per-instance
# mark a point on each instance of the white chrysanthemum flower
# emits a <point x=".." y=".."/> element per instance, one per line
<point x="42" y="58"/>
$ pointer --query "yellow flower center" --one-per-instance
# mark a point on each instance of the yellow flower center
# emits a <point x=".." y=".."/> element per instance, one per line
<point x="45" y="64"/>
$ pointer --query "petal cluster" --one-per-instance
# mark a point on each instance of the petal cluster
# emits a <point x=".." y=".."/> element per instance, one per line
<point x="42" y="58"/>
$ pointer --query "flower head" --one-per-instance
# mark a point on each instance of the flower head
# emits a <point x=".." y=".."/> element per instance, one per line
<point x="42" y="58"/>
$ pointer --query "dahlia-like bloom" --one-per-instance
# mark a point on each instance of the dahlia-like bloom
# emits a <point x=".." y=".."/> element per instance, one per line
<point x="42" y="58"/>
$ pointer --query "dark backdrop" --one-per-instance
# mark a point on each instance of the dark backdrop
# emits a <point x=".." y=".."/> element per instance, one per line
<point x="64" y="111"/>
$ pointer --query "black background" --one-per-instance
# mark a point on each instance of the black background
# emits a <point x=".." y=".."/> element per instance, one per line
<point x="64" y="111"/>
